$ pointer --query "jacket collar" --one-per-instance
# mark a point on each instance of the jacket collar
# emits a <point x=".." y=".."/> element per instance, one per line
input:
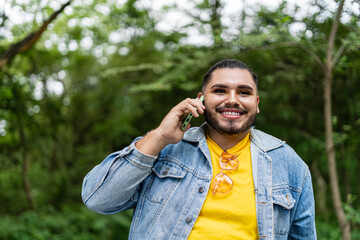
<point x="195" y="134"/>
<point x="265" y="141"/>
<point x="262" y="140"/>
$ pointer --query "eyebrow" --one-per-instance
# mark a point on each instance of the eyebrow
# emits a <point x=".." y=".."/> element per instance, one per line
<point x="238" y="87"/>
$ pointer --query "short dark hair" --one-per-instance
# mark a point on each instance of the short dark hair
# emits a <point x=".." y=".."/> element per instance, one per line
<point x="228" y="63"/>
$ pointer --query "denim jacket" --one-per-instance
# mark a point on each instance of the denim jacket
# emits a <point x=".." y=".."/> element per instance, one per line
<point x="168" y="192"/>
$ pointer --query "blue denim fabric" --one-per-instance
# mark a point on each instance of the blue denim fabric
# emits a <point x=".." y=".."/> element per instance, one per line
<point x="168" y="192"/>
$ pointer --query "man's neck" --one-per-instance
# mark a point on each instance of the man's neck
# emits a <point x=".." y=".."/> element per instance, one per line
<point x="226" y="141"/>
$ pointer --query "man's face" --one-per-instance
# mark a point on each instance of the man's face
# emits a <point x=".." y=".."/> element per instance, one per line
<point x="231" y="101"/>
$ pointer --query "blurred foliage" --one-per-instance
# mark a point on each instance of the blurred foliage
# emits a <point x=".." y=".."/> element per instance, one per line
<point x="105" y="72"/>
<point x="71" y="223"/>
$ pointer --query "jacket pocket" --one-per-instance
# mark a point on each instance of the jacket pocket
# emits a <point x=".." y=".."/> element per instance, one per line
<point x="283" y="202"/>
<point x="165" y="178"/>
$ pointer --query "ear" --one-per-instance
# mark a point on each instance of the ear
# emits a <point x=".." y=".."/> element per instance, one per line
<point x="257" y="103"/>
<point x="200" y="94"/>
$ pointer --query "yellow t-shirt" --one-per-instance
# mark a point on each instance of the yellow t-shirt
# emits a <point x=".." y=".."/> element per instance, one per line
<point x="229" y="215"/>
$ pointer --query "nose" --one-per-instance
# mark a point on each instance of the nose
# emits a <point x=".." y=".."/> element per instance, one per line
<point x="232" y="99"/>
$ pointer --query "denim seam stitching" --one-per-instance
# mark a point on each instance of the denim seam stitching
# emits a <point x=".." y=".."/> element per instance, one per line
<point x="189" y="170"/>
<point x="102" y="180"/>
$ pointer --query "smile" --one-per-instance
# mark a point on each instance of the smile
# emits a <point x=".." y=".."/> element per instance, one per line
<point x="231" y="113"/>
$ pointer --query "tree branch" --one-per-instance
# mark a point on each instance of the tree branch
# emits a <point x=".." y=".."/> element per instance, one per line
<point x="296" y="44"/>
<point x="331" y="43"/>
<point x="29" y="40"/>
<point x="338" y="54"/>
<point x="313" y="138"/>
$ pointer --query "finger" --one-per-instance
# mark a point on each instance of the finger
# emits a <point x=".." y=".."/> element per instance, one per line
<point x="200" y="107"/>
<point x="191" y="105"/>
<point x="200" y="94"/>
<point x="193" y="108"/>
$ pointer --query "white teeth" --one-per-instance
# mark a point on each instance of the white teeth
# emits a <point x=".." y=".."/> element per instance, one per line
<point x="232" y="113"/>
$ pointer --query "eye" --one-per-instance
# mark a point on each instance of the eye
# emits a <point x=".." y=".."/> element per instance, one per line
<point x="244" y="92"/>
<point x="219" y="90"/>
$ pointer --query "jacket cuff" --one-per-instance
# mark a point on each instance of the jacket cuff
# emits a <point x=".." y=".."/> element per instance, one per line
<point x="139" y="159"/>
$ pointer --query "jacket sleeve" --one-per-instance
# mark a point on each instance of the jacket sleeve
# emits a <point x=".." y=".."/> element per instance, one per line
<point x="113" y="185"/>
<point x="303" y="225"/>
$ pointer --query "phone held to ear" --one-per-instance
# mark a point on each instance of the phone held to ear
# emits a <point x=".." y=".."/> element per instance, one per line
<point x="189" y="117"/>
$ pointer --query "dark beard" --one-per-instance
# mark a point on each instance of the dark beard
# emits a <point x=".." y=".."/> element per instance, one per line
<point x="230" y="130"/>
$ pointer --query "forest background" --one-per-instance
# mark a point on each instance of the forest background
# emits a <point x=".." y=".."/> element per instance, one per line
<point x="81" y="79"/>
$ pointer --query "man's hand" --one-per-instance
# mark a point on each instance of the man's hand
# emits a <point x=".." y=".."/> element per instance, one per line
<point x="169" y="131"/>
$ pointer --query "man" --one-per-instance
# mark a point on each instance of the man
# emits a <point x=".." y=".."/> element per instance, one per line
<point x="223" y="180"/>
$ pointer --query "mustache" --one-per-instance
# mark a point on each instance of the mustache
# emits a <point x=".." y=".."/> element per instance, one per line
<point x="219" y="108"/>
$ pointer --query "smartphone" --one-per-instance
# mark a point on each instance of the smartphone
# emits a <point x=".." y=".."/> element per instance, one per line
<point x="189" y="117"/>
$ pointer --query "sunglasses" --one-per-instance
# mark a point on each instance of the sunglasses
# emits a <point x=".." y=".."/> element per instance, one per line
<point x="222" y="183"/>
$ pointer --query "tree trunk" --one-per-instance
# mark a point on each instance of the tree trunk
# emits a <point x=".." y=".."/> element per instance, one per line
<point x="330" y="150"/>
<point x="344" y="173"/>
<point x="25" y="163"/>
<point x="25" y="176"/>
<point x="215" y="21"/>
<point x="320" y="193"/>
<point x="331" y="156"/>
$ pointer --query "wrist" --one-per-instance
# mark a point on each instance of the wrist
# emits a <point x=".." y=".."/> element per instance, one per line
<point x="159" y="138"/>
<point x="152" y="143"/>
